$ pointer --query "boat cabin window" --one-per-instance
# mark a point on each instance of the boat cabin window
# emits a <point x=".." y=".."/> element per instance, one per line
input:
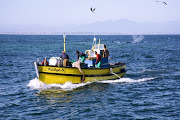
<point x="96" y="46"/>
<point x="99" y="46"/>
<point x="90" y="53"/>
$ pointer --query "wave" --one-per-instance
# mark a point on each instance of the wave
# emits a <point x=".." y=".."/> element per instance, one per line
<point x="127" y="80"/>
<point x="38" y="85"/>
<point x="35" y="84"/>
<point x="141" y="71"/>
<point x="136" y="39"/>
<point x="122" y="42"/>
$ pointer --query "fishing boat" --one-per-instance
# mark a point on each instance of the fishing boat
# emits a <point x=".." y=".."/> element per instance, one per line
<point x="56" y="73"/>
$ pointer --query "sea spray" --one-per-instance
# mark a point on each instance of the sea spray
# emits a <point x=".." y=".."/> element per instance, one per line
<point x="127" y="80"/>
<point x="137" y="38"/>
<point x="35" y="84"/>
<point x="69" y="85"/>
<point x="38" y="85"/>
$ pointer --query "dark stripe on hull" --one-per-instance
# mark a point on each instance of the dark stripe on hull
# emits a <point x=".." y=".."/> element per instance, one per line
<point x="81" y="75"/>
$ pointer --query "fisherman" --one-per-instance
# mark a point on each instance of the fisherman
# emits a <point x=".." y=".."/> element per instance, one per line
<point x="98" y="60"/>
<point x="65" y="58"/>
<point x="44" y="62"/>
<point x="106" y="52"/>
<point x="82" y="56"/>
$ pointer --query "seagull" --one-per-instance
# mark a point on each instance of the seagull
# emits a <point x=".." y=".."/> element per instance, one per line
<point x="162" y="2"/>
<point x="92" y="10"/>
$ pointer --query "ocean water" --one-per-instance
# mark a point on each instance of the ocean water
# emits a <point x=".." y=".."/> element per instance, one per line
<point x="150" y="89"/>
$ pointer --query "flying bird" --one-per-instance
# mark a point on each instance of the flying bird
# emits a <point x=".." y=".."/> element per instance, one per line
<point x="162" y="2"/>
<point x="92" y="9"/>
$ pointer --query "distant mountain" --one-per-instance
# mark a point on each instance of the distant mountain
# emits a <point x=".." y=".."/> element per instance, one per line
<point x="122" y="26"/>
<point x="127" y="26"/>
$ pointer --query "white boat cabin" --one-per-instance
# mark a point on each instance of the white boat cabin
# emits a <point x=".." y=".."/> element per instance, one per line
<point x="91" y="57"/>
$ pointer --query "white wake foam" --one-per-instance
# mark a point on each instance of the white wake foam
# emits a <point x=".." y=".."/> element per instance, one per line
<point x="35" y="84"/>
<point x="127" y="80"/>
<point x="38" y="85"/>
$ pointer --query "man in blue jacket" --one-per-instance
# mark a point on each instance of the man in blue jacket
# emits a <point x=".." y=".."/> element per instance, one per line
<point x="65" y="58"/>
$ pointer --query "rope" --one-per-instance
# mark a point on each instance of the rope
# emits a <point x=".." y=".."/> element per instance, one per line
<point x="111" y="71"/>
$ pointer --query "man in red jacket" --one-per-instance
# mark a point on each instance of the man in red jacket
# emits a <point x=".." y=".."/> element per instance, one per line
<point x="44" y="62"/>
<point x="98" y="60"/>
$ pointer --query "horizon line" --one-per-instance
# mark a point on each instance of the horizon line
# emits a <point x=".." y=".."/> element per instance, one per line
<point x="81" y="33"/>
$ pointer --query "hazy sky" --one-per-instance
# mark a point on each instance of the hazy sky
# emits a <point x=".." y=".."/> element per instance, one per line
<point x="59" y="12"/>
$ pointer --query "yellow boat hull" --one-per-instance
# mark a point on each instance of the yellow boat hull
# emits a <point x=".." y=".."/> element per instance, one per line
<point x="61" y="75"/>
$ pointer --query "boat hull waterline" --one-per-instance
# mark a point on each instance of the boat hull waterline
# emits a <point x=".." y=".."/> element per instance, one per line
<point x="61" y="75"/>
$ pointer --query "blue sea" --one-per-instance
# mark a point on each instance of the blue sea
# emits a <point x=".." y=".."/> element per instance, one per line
<point x="150" y="90"/>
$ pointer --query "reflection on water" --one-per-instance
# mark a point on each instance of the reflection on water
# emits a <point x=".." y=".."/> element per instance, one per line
<point x="57" y="95"/>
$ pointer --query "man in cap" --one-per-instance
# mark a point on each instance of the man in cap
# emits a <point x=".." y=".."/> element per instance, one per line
<point x="65" y="58"/>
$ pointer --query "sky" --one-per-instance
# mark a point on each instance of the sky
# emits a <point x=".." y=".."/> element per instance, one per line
<point x="77" y="12"/>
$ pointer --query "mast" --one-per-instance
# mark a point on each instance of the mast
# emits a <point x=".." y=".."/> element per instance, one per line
<point x="94" y="41"/>
<point x="64" y="36"/>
